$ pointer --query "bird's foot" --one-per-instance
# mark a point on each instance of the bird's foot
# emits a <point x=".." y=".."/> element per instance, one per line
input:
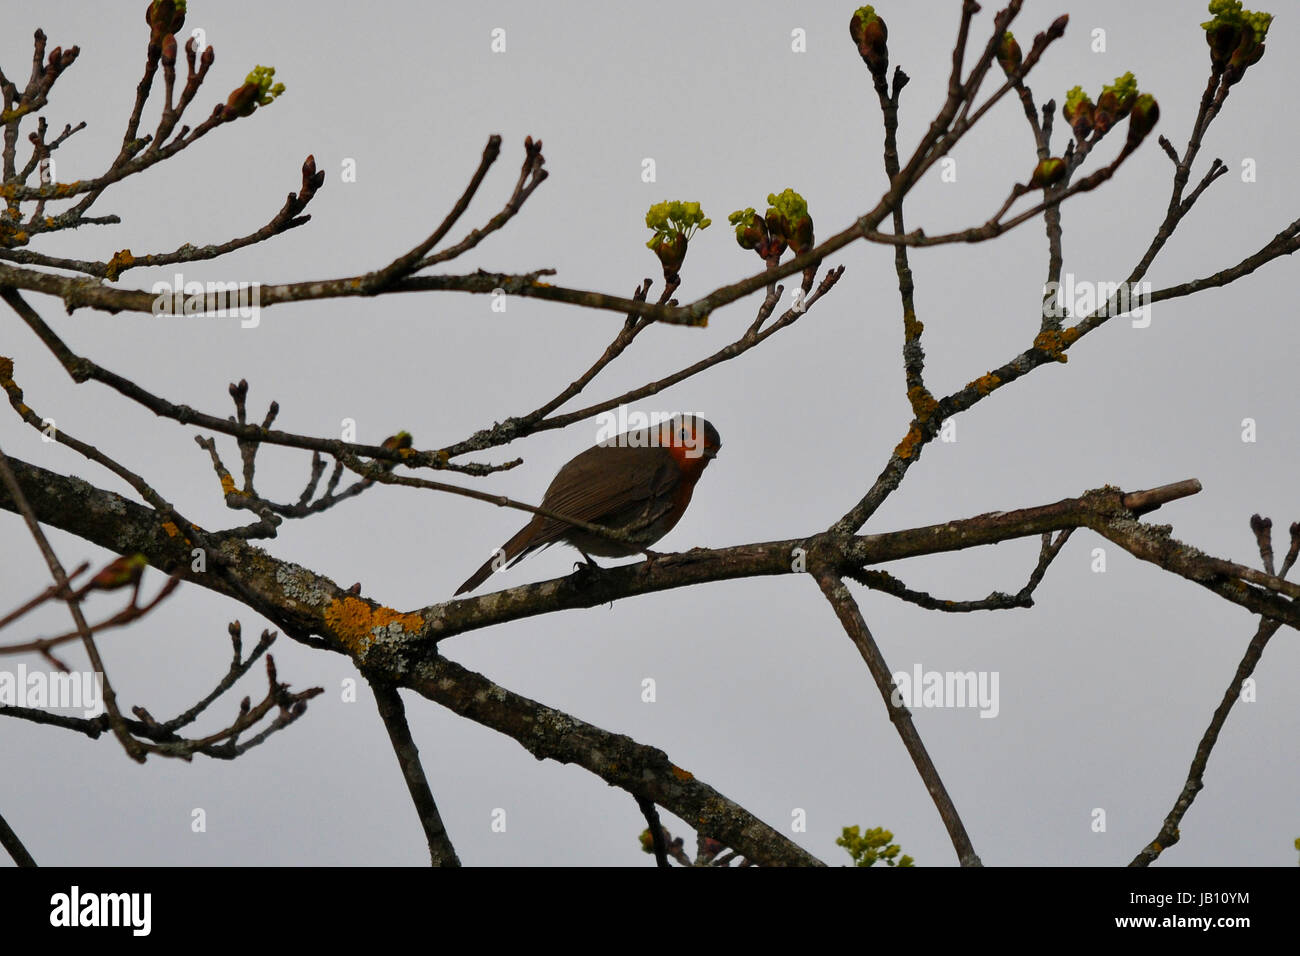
<point x="586" y="569"/>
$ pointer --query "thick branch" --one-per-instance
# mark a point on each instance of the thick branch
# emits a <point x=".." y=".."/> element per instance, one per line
<point x="619" y="760"/>
<point x="379" y="639"/>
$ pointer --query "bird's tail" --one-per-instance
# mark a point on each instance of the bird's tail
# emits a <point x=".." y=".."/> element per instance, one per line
<point x="504" y="556"/>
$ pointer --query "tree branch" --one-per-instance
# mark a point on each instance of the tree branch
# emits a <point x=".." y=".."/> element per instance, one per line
<point x="391" y="709"/>
<point x="9" y="840"/>
<point x="846" y="609"/>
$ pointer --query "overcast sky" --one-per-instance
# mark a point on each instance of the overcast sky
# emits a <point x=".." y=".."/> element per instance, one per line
<point x="1105" y="686"/>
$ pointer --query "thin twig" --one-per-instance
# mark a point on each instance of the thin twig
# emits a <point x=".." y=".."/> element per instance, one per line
<point x="132" y="747"/>
<point x="846" y="609"/>
<point x="393" y="712"/>
<point x="9" y="840"/>
<point x="651" y="814"/>
<point x="1169" y="832"/>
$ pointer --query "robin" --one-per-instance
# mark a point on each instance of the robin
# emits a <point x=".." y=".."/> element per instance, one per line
<point x="638" y="482"/>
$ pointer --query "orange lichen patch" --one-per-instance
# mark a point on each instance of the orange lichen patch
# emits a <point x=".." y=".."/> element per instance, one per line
<point x="10" y="236"/>
<point x="354" y="622"/>
<point x="681" y="774"/>
<point x="911" y="441"/>
<point x="171" y="529"/>
<point x="912" y="328"/>
<point x="227" y="484"/>
<point x="121" y="261"/>
<point x="1055" y="343"/>
<point x="985" y="383"/>
<point x="9" y="385"/>
<point x="923" y="403"/>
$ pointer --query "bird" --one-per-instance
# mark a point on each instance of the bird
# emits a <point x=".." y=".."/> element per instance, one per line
<point x="638" y="482"/>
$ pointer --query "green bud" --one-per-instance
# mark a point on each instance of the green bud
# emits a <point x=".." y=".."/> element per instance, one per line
<point x="258" y="90"/>
<point x="1078" y="112"/>
<point x="657" y="216"/>
<point x="751" y="230"/>
<point x="241" y="102"/>
<point x="674" y="223"/>
<point x="1122" y="92"/>
<point x="1047" y="173"/>
<point x="683" y="217"/>
<point x="801" y="235"/>
<point x="1115" y="102"/>
<point x="789" y="205"/>
<point x="869" y="32"/>
<point x="1223" y="39"/>
<point x="1073" y="98"/>
<point x="164" y="17"/>
<point x="1142" y="119"/>
<point x="1259" y="22"/>
<point x="119" y="572"/>
<point x="777" y="238"/>
<point x="397" y="442"/>
<point x="1235" y="37"/>
<point x="1230" y="12"/>
<point x="788" y="222"/>
<point x="1009" y="57"/>
<point x="671" y="250"/>
<point x="1248" y="52"/>
<point x="262" y="77"/>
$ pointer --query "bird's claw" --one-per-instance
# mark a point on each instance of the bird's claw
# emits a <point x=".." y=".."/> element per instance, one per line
<point x="584" y="568"/>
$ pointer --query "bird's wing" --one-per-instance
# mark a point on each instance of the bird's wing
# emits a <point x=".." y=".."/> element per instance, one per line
<point x="612" y="486"/>
<point x="615" y="487"/>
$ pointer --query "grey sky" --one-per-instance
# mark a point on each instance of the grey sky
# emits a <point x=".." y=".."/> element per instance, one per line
<point x="1105" y="686"/>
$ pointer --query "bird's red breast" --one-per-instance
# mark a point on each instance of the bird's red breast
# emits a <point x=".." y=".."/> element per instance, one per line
<point x="639" y="482"/>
